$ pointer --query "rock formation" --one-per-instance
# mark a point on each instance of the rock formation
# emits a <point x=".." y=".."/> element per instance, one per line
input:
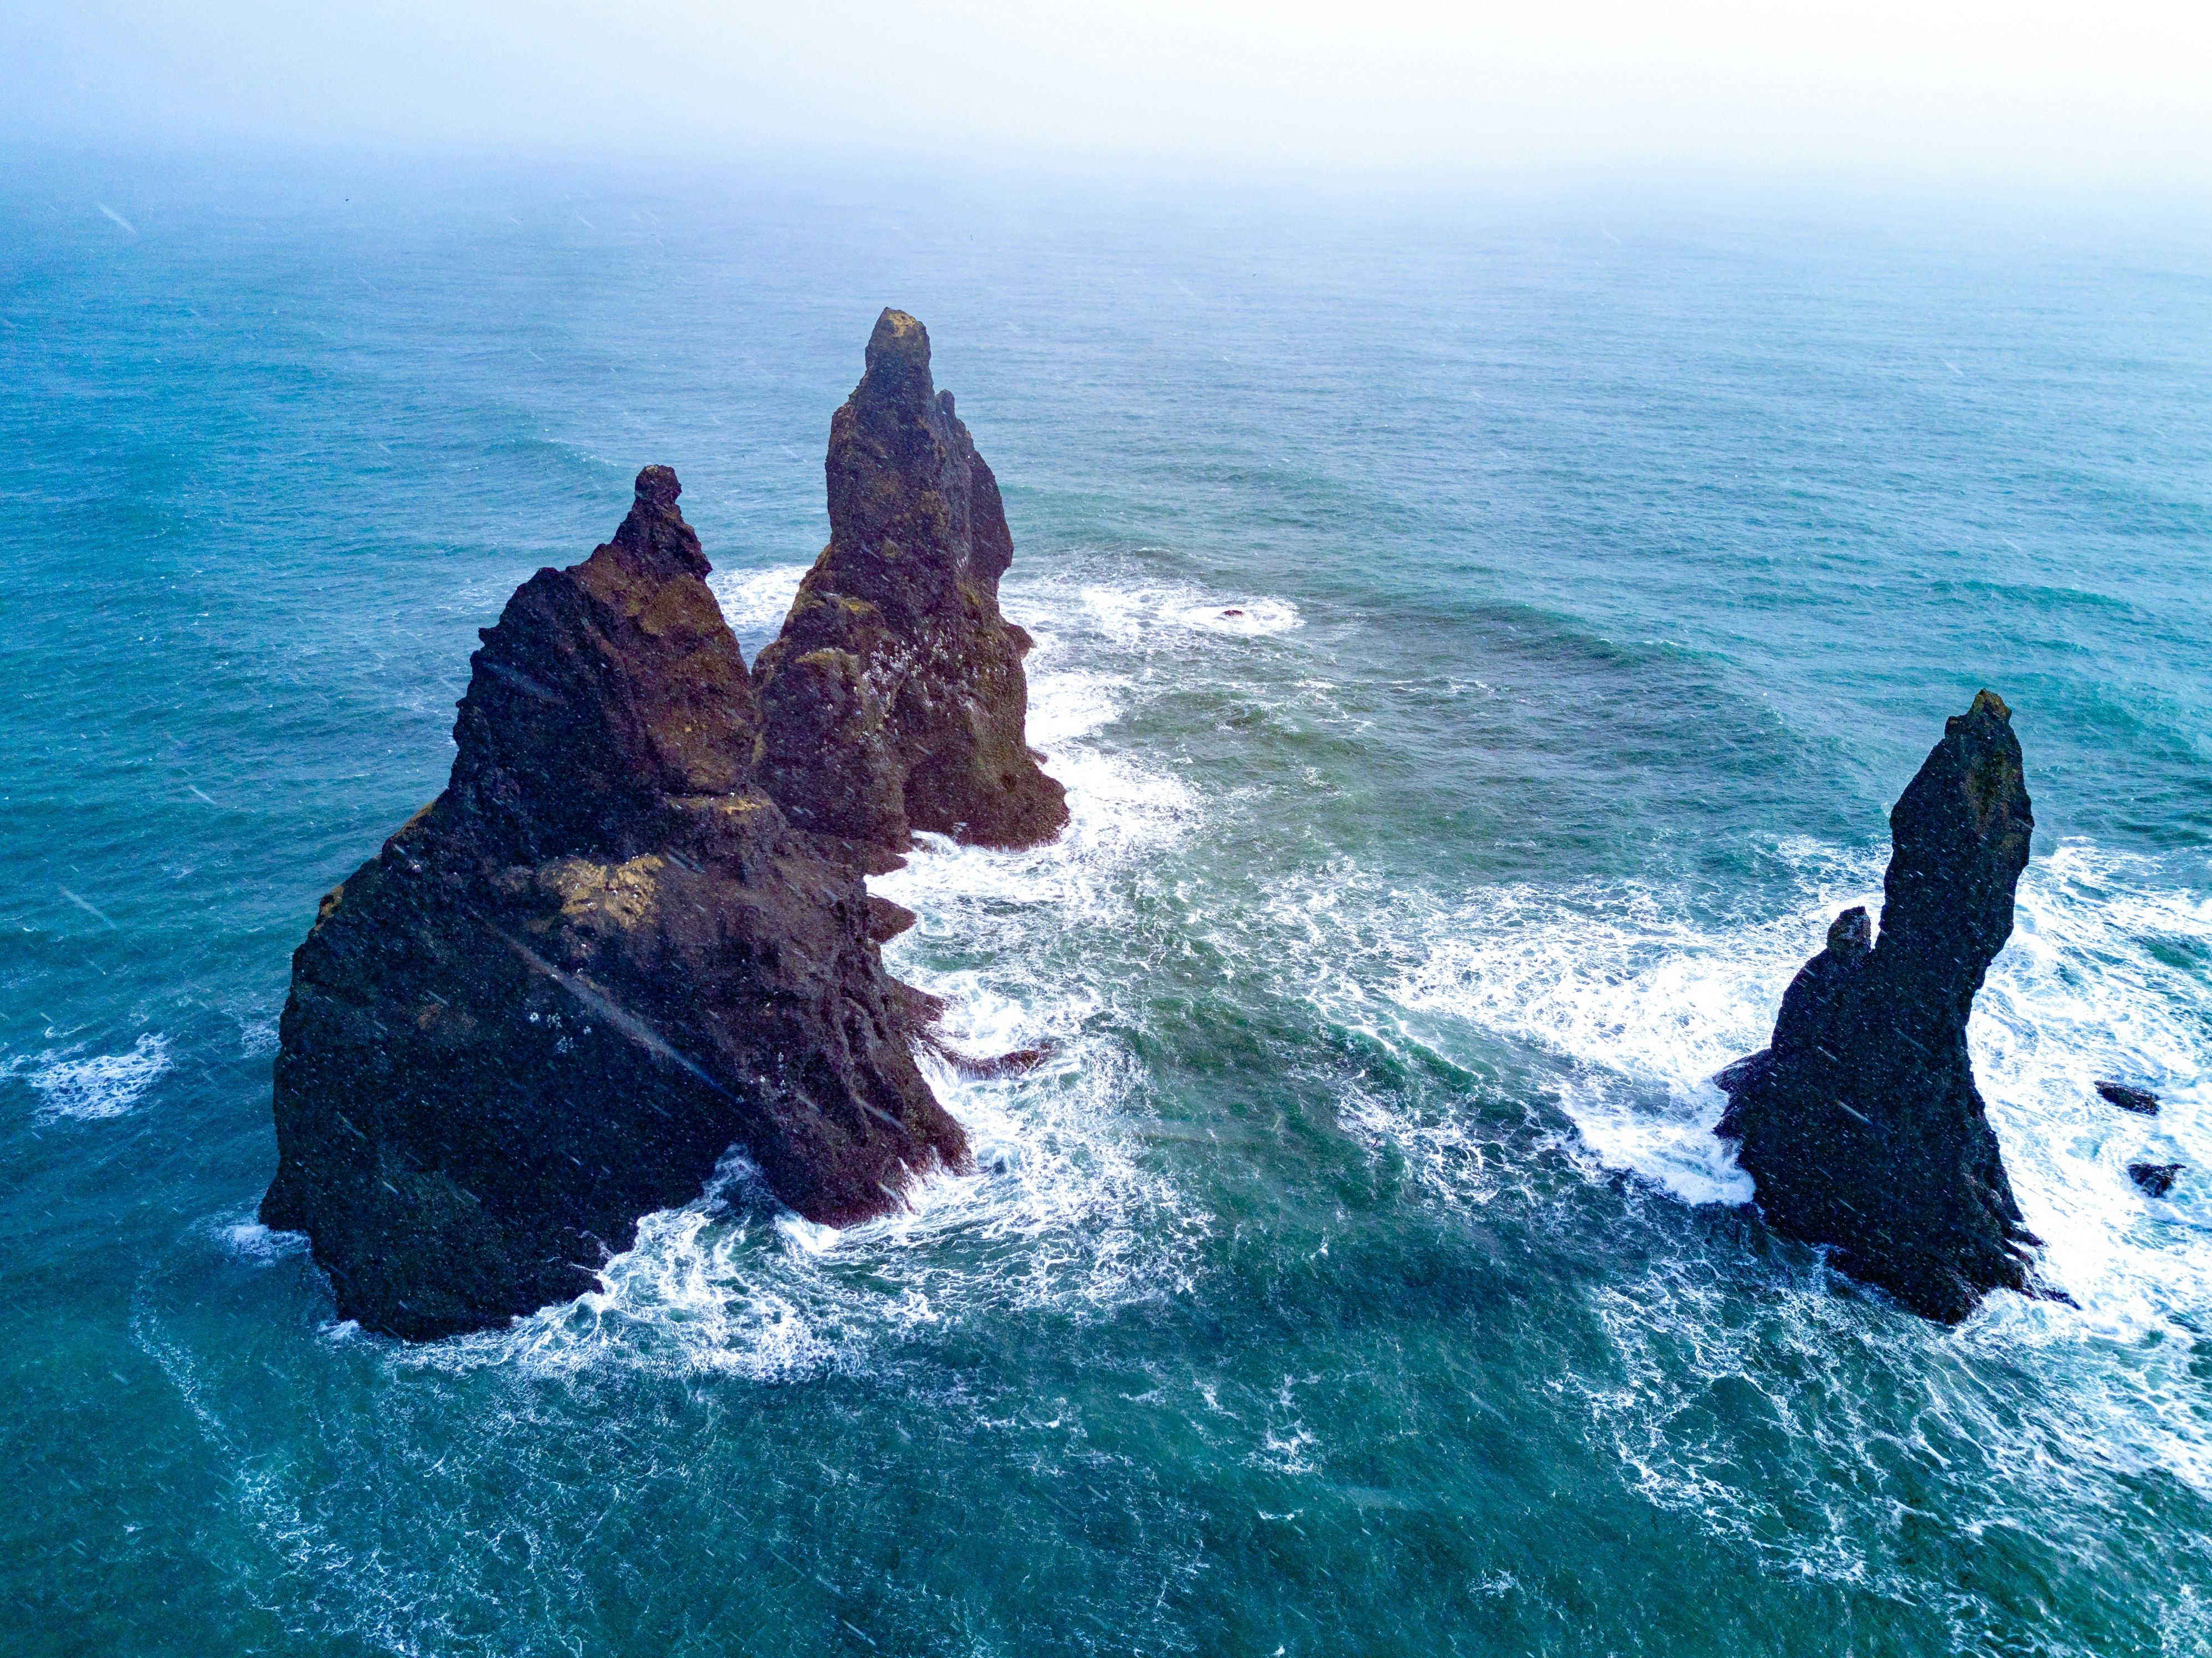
<point x="893" y="700"/>
<point x="1861" y="1123"/>
<point x="2156" y="1179"/>
<point x="2140" y="1101"/>
<point x="597" y="960"/>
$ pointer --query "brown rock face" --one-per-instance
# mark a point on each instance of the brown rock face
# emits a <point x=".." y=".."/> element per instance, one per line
<point x="1861" y="1123"/>
<point x="894" y="699"/>
<point x="604" y="688"/>
<point x="595" y="962"/>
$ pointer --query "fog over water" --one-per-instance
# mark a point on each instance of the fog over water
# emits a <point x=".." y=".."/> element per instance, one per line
<point x="1404" y="91"/>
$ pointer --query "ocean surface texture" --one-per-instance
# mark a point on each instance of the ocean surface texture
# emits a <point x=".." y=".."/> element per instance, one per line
<point x="1481" y="644"/>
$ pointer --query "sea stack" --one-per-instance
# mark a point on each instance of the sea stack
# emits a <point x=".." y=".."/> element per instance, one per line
<point x="893" y="700"/>
<point x="1861" y="1123"/>
<point x="595" y="963"/>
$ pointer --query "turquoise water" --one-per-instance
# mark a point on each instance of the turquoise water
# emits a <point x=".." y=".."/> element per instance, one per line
<point x="1482" y="643"/>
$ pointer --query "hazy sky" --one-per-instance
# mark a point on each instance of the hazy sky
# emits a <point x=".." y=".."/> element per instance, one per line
<point x="2109" y="92"/>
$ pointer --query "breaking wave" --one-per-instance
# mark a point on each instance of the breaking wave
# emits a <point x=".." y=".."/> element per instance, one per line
<point x="1642" y="1000"/>
<point x="1123" y="613"/>
<point x="85" y="1089"/>
<point x="754" y="602"/>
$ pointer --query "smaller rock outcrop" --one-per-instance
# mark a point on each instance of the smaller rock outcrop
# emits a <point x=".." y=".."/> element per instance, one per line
<point x="2156" y="1179"/>
<point x="595" y="963"/>
<point x="1861" y="1123"/>
<point x="893" y="700"/>
<point x="2141" y="1101"/>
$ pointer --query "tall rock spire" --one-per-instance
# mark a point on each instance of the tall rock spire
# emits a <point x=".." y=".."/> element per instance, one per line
<point x="594" y="964"/>
<point x="605" y="687"/>
<point x="1861" y="1123"/>
<point x="893" y="700"/>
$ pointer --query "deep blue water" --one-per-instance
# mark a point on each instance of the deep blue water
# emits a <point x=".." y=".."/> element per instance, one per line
<point x="1482" y="642"/>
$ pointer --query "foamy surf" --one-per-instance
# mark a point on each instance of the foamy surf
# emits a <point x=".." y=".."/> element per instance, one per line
<point x="89" y="1088"/>
<point x="754" y="602"/>
<point x="1119" y="811"/>
<point x="250" y="1242"/>
<point x="2104" y="979"/>
<point x="1055" y="1212"/>
<point x="1623" y="999"/>
<point x="1645" y="1002"/>
<point x="1123" y="614"/>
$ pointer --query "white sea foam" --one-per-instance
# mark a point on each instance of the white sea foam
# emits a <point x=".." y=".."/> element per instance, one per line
<point x="1633" y="995"/>
<point x="1056" y="1210"/>
<point x="1116" y="813"/>
<point x="1645" y="1003"/>
<point x="1072" y="704"/>
<point x="1118" y="809"/>
<point x="1123" y="614"/>
<point x="2025" y="1415"/>
<point x="718" y="1286"/>
<point x="85" y="1088"/>
<point x="2104" y="978"/>
<point x="250" y="1241"/>
<point x="754" y="602"/>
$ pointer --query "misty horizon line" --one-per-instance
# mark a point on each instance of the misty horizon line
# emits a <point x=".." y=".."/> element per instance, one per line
<point x="39" y="164"/>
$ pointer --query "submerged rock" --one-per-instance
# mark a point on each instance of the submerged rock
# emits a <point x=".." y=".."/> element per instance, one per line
<point x="595" y="962"/>
<point x="1861" y="1123"/>
<point x="2156" y="1179"/>
<point x="893" y="700"/>
<point x="2139" y="1100"/>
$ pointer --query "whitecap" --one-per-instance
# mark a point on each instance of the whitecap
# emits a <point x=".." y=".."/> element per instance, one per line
<point x="1072" y="704"/>
<point x="86" y="1089"/>
<point x="1635" y="994"/>
<point x="1126" y="614"/>
<point x="1643" y="1004"/>
<point x="1623" y="978"/>
<point x="1456" y="1159"/>
<point x="718" y="1286"/>
<point x="251" y="1241"/>
<point x="1250" y="618"/>
<point x="1055" y="1211"/>
<point x="1118" y="811"/>
<point x="1064" y="1205"/>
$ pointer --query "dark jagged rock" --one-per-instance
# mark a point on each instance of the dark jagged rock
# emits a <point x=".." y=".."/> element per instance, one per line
<point x="2156" y="1179"/>
<point x="1861" y="1123"/>
<point x="597" y="960"/>
<point x="886" y="919"/>
<point x="1018" y="1063"/>
<point x="2139" y="1100"/>
<point x="893" y="700"/>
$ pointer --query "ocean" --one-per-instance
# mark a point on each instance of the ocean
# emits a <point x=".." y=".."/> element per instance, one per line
<point x="1481" y="640"/>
